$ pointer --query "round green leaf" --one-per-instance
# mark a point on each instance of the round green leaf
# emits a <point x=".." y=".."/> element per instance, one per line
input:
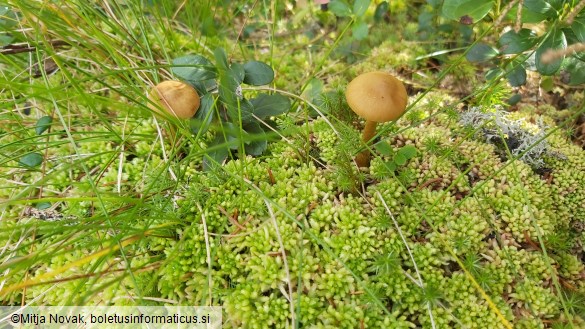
<point x="360" y="30"/>
<point x="238" y="72"/>
<point x="514" y="99"/>
<point x="258" y="144"/>
<point x="481" y="52"/>
<point x="537" y="6"/>
<point x="217" y="152"/>
<point x="193" y="68"/>
<point x="578" y="28"/>
<point x="516" y="76"/>
<point x="381" y="11"/>
<point x="31" y="160"/>
<point x="555" y="40"/>
<point x="474" y="9"/>
<point x="576" y="70"/>
<point x="390" y="165"/>
<point x="360" y="7"/>
<point x="201" y="122"/>
<point x="515" y="43"/>
<point x="399" y="159"/>
<point x="270" y="105"/>
<point x="339" y="8"/>
<point x="384" y="148"/>
<point x="221" y="59"/>
<point x="258" y="73"/>
<point x="408" y="151"/>
<point x="43" y="205"/>
<point x="43" y="124"/>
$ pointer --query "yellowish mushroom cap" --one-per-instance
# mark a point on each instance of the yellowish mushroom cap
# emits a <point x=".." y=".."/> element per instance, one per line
<point x="377" y="96"/>
<point x="178" y="98"/>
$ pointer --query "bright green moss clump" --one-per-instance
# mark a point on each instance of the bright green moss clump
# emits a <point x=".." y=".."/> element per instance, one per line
<point x="277" y="239"/>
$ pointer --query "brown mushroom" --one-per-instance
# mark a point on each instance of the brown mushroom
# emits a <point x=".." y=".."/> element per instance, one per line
<point x="177" y="98"/>
<point x="376" y="97"/>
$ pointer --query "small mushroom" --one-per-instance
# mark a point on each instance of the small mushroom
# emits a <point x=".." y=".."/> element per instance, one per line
<point x="178" y="98"/>
<point x="376" y="97"/>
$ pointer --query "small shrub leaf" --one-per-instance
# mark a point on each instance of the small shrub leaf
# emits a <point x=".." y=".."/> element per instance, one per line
<point x="474" y="9"/>
<point x="517" y="76"/>
<point x="408" y="151"/>
<point x="193" y="68"/>
<point x="43" y="124"/>
<point x="515" y="43"/>
<point x="555" y="40"/>
<point x="399" y="159"/>
<point x="216" y="154"/>
<point x="202" y="120"/>
<point x="381" y="11"/>
<point x="31" y="160"/>
<point x="340" y="8"/>
<point x="270" y="105"/>
<point x="384" y="148"/>
<point x="360" y="7"/>
<point x="481" y="52"/>
<point x="360" y="30"/>
<point x="258" y="73"/>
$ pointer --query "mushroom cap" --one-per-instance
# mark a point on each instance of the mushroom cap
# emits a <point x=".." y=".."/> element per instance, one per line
<point x="377" y="96"/>
<point x="178" y="98"/>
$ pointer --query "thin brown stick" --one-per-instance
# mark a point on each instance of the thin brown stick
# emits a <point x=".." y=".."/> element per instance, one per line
<point x="554" y="54"/>
<point x="18" y="48"/>
<point x="518" y="25"/>
<point x="575" y="12"/>
<point x="504" y="12"/>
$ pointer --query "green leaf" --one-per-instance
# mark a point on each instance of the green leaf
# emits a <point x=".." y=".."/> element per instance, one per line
<point x="515" y="43"/>
<point x="390" y="165"/>
<point x="537" y="6"/>
<point x="514" y="99"/>
<point x="43" y="205"/>
<point x="217" y="152"/>
<point x="221" y="59"/>
<point x="339" y="8"/>
<point x="258" y="144"/>
<point x="238" y="72"/>
<point x="246" y="110"/>
<point x="493" y="73"/>
<point x="43" y="124"/>
<point x="475" y="9"/>
<point x="258" y="73"/>
<point x="578" y="28"/>
<point x="270" y="105"/>
<point x="360" y="30"/>
<point x="408" y="151"/>
<point x="31" y="160"/>
<point x="201" y="122"/>
<point x="555" y="40"/>
<point x="381" y="11"/>
<point x="399" y="159"/>
<point x="481" y="52"/>
<point x="197" y="68"/>
<point x="384" y="148"/>
<point x="5" y="39"/>
<point x="576" y="70"/>
<point x="360" y="7"/>
<point x="313" y="91"/>
<point x="516" y="76"/>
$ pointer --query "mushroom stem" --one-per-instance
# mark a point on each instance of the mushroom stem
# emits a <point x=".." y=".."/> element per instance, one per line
<point x="363" y="159"/>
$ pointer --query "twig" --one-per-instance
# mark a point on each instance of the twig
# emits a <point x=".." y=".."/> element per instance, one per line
<point x="18" y="48"/>
<point x="518" y="25"/>
<point x="504" y="12"/>
<point x="554" y="54"/>
<point x="575" y="12"/>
